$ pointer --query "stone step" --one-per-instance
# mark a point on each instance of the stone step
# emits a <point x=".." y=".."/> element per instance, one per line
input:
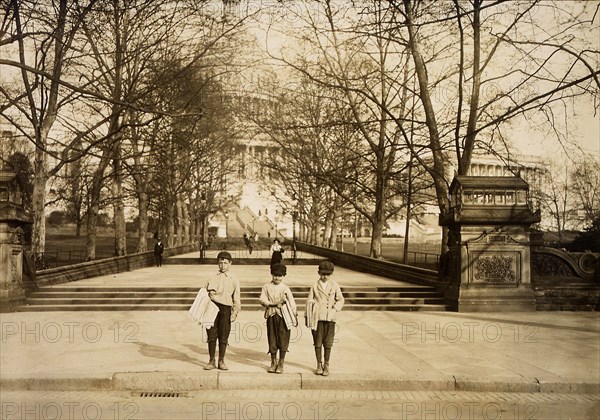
<point x="177" y="307"/>
<point x="79" y="298"/>
<point x="346" y="289"/>
<point x="159" y="300"/>
<point x="244" y="294"/>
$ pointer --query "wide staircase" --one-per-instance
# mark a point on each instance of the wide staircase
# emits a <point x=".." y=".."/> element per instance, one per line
<point x="358" y="298"/>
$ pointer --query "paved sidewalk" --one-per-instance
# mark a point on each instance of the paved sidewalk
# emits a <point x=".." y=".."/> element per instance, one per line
<point x="156" y="351"/>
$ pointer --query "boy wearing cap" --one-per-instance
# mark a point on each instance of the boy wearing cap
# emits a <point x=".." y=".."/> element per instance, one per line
<point x="326" y="300"/>
<point x="224" y="290"/>
<point x="273" y="296"/>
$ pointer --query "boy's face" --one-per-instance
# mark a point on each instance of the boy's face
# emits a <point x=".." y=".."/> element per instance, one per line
<point x="277" y="279"/>
<point x="224" y="265"/>
<point x="324" y="276"/>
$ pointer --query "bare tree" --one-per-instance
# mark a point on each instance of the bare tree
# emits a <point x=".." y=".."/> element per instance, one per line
<point x="42" y="37"/>
<point x="359" y="59"/>
<point x="585" y="187"/>
<point x="556" y="200"/>
<point x="499" y="45"/>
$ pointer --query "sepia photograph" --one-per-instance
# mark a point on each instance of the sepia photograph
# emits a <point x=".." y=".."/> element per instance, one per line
<point x="300" y="209"/>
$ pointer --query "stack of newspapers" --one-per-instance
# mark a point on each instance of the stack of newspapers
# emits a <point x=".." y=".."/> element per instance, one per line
<point x="203" y="310"/>
<point x="310" y="314"/>
<point x="289" y="316"/>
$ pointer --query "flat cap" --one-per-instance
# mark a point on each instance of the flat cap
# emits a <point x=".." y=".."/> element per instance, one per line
<point x="326" y="267"/>
<point x="224" y="254"/>
<point x="278" y="269"/>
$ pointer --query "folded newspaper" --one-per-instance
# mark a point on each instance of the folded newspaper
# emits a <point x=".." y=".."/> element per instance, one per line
<point x="310" y="314"/>
<point x="289" y="316"/>
<point x="203" y="310"/>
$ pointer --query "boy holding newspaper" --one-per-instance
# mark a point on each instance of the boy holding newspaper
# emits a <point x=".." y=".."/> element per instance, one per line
<point x="324" y="301"/>
<point x="280" y="312"/>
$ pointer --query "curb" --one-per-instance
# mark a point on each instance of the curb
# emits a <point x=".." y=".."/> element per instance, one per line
<point x="187" y="382"/>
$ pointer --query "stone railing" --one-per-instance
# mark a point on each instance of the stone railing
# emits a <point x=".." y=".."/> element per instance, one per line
<point x="383" y="268"/>
<point x="565" y="281"/>
<point x="105" y="266"/>
<point x="549" y="264"/>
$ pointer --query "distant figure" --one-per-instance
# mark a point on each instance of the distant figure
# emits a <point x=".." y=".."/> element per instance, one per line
<point x="159" y="248"/>
<point x="276" y="252"/>
<point x="250" y="244"/>
<point x="255" y="236"/>
<point x="246" y="240"/>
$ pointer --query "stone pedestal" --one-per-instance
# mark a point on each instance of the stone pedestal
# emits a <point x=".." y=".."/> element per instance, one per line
<point x="495" y="270"/>
<point x="13" y="243"/>
<point x="488" y="266"/>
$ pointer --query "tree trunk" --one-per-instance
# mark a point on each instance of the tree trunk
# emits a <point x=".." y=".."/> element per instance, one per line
<point x="356" y="227"/>
<point x="378" y="218"/>
<point x="171" y="214"/>
<point x="38" y="239"/>
<point x="142" y="221"/>
<point x="408" y="214"/>
<point x="94" y="208"/>
<point x="437" y="170"/>
<point x="119" y="208"/>
<point x="328" y="232"/>
<point x="186" y="237"/>
<point x="376" y="239"/>
<point x="91" y="230"/>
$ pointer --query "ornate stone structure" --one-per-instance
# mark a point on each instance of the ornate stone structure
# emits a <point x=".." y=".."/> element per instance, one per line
<point x="14" y="225"/>
<point x="488" y="264"/>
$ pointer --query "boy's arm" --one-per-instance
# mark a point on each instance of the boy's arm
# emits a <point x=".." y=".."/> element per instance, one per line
<point x="237" y="302"/>
<point x="290" y="299"/>
<point x="264" y="299"/>
<point x="339" y="298"/>
<point x="210" y="290"/>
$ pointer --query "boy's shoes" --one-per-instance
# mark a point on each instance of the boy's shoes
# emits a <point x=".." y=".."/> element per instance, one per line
<point x="279" y="367"/>
<point x="222" y="365"/>
<point x="211" y="365"/>
<point x="319" y="368"/>
<point x="326" y="369"/>
<point x="273" y="367"/>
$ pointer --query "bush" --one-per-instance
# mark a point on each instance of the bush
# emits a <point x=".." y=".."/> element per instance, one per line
<point x="56" y="218"/>
<point x="589" y="239"/>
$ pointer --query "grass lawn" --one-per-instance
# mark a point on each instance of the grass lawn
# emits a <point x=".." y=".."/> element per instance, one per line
<point x="63" y="247"/>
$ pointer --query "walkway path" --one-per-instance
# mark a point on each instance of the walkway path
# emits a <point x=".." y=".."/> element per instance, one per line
<point x="527" y="352"/>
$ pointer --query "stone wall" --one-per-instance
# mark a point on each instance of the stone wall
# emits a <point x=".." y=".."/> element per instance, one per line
<point x="105" y="266"/>
<point x="564" y="281"/>
<point x="364" y="264"/>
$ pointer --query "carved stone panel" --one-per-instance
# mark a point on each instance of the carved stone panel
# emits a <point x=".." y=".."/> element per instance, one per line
<point x="496" y="267"/>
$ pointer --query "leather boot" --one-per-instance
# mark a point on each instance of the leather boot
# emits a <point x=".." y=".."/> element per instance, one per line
<point x="222" y="365"/>
<point x="319" y="368"/>
<point x="273" y="364"/>
<point x="279" y="367"/>
<point x="211" y="365"/>
<point x="326" y="369"/>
